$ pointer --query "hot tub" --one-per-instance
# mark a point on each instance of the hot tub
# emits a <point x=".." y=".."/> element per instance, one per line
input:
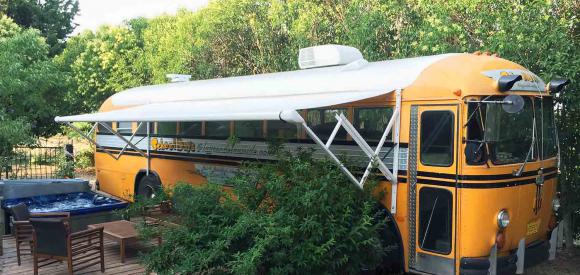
<point x="84" y="207"/>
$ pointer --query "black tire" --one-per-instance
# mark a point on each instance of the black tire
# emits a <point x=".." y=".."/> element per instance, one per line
<point x="147" y="187"/>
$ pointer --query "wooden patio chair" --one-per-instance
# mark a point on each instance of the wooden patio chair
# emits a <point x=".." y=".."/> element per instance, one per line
<point x="54" y="242"/>
<point x="22" y="229"/>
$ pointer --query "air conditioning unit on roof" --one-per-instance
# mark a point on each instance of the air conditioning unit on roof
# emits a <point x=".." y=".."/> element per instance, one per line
<point x="327" y="55"/>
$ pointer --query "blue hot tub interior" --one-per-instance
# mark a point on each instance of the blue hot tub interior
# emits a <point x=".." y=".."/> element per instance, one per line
<point x="74" y="203"/>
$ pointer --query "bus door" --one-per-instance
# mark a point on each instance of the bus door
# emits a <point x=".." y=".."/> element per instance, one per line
<point x="432" y="188"/>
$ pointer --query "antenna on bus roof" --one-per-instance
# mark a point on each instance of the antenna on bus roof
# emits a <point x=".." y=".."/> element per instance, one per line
<point x="178" y="77"/>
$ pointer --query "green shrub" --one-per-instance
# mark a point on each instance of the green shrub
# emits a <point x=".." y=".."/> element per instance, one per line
<point x="297" y="215"/>
<point x="65" y="168"/>
<point x="85" y="159"/>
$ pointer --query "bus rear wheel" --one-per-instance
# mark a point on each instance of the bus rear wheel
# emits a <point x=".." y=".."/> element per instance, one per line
<point x="148" y="186"/>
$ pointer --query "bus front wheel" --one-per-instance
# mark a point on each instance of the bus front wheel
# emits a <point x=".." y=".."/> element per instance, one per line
<point x="148" y="186"/>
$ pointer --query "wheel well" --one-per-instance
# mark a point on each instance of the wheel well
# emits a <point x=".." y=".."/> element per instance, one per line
<point x="397" y="232"/>
<point x="142" y="173"/>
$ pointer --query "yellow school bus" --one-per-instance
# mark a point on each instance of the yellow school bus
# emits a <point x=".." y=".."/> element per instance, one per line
<point x="465" y="144"/>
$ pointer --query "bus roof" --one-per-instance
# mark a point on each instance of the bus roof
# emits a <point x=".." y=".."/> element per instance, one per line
<point x="270" y="96"/>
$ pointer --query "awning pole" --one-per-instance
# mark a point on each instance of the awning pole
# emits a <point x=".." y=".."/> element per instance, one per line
<point x="148" y="148"/>
<point x="89" y="138"/>
<point x="123" y="138"/>
<point x="331" y="154"/>
<point x="395" y="180"/>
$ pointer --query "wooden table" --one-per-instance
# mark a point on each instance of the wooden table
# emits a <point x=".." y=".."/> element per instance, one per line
<point x="121" y="231"/>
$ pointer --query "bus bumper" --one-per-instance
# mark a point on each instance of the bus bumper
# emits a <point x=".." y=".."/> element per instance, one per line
<point x="535" y="253"/>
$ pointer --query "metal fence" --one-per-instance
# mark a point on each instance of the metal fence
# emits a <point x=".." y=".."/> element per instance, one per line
<point x="32" y="163"/>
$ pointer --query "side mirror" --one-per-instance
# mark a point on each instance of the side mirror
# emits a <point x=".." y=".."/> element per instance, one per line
<point x="513" y="104"/>
<point x="474" y="153"/>
<point x="557" y="85"/>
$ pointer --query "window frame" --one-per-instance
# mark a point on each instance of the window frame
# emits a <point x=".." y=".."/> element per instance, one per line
<point x="124" y="130"/>
<point x="451" y="135"/>
<point x="449" y="222"/>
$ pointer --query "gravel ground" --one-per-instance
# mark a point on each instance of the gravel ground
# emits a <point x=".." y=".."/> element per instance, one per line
<point x="566" y="262"/>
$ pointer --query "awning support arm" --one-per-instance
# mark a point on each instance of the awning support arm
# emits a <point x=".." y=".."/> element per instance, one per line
<point x="89" y="139"/>
<point x="128" y="142"/>
<point x="373" y="155"/>
<point x="331" y="154"/>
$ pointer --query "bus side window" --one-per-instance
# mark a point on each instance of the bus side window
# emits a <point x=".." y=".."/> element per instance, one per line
<point x="249" y="129"/>
<point x="281" y="129"/>
<point x="103" y="130"/>
<point x="322" y="122"/>
<point x="437" y="138"/>
<point x="166" y="128"/>
<point x="124" y="128"/>
<point x="435" y="219"/>
<point x="190" y="129"/>
<point x="217" y="129"/>
<point x="141" y="128"/>
<point x="372" y="122"/>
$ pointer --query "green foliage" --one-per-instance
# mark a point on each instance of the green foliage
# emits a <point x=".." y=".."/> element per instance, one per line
<point x="101" y="64"/>
<point x="12" y="133"/>
<point x="65" y="166"/>
<point x="295" y="215"/>
<point x="85" y="159"/>
<point x="30" y="84"/>
<point x="54" y="18"/>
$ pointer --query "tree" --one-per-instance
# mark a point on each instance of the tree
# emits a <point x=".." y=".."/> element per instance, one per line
<point x="101" y="64"/>
<point x="54" y="18"/>
<point x="30" y="84"/>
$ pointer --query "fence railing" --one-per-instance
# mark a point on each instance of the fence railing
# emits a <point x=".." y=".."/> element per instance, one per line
<point x="32" y="162"/>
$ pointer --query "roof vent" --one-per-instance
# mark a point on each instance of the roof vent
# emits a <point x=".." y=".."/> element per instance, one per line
<point x="178" y="77"/>
<point x="327" y="55"/>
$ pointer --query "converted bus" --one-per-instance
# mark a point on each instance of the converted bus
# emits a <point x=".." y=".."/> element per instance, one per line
<point x="465" y="145"/>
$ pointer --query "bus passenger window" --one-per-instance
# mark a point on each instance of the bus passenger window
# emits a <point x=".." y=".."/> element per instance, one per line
<point x="249" y="129"/>
<point x="190" y="129"/>
<point x="435" y="217"/>
<point x="282" y="130"/>
<point x="103" y="130"/>
<point x="217" y="129"/>
<point x="372" y="122"/>
<point x="141" y="130"/>
<point x="166" y="128"/>
<point x="124" y="128"/>
<point x="437" y="138"/>
<point x="322" y="122"/>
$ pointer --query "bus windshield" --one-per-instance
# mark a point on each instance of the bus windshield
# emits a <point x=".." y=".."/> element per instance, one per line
<point x="509" y="135"/>
<point x="513" y="137"/>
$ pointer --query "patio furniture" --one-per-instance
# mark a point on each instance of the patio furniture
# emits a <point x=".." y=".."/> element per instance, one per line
<point x="122" y="231"/>
<point x="23" y="229"/>
<point x="54" y="242"/>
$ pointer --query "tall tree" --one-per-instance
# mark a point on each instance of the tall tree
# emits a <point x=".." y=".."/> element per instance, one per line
<point x="54" y="18"/>
<point x="31" y="89"/>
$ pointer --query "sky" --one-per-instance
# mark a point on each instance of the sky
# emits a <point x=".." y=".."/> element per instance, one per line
<point x="94" y="13"/>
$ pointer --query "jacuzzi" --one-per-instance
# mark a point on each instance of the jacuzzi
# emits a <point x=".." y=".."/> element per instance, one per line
<point x="84" y="206"/>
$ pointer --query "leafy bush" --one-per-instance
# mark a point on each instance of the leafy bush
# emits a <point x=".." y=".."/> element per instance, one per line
<point x="85" y="159"/>
<point x="65" y="168"/>
<point x="297" y="215"/>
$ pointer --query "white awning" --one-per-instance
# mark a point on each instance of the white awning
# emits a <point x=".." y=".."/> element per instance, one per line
<point x="262" y="97"/>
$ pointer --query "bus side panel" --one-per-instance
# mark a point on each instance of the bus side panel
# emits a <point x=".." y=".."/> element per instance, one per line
<point x="117" y="177"/>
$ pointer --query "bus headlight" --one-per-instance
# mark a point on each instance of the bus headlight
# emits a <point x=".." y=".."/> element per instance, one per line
<point x="503" y="219"/>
